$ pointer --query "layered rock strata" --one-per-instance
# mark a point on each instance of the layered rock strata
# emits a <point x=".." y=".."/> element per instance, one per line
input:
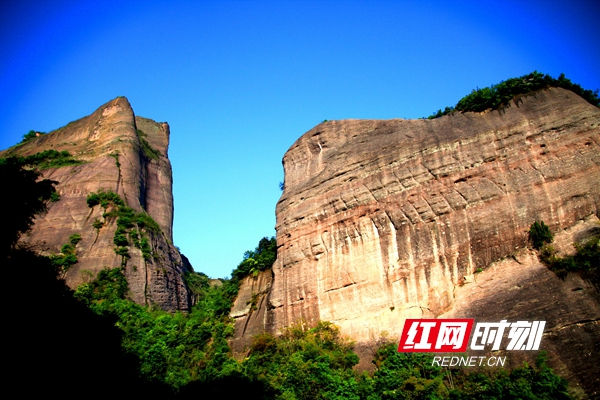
<point x="520" y="288"/>
<point x="386" y="220"/>
<point x="380" y="220"/>
<point x="127" y="155"/>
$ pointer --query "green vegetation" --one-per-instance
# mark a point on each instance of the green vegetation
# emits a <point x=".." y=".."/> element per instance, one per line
<point x="261" y="259"/>
<point x="197" y="282"/>
<point x="304" y="363"/>
<point x="145" y="221"/>
<point x="74" y="239"/>
<point x="189" y="354"/>
<point x="115" y="155"/>
<point x="500" y="95"/>
<point x="31" y="135"/>
<point x="54" y="197"/>
<point x="68" y="255"/>
<point x="97" y="224"/>
<point x="97" y="338"/>
<point x="585" y="261"/>
<point x="48" y="159"/>
<point x="130" y="225"/>
<point x="50" y="328"/>
<point x="104" y="199"/>
<point x="524" y="382"/>
<point x="539" y="234"/>
<point x="149" y="151"/>
<point x="172" y="348"/>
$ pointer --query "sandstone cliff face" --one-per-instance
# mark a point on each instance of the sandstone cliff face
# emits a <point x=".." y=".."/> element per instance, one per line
<point x="250" y="309"/>
<point x="521" y="288"/>
<point x="109" y="141"/>
<point x="382" y="220"/>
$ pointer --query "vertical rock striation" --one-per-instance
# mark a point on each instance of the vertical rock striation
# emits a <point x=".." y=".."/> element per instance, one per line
<point x="250" y="309"/>
<point x="381" y="220"/>
<point x="385" y="220"/>
<point x="127" y="155"/>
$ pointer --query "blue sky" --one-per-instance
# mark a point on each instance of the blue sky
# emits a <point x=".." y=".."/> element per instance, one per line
<point x="239" y="81"/>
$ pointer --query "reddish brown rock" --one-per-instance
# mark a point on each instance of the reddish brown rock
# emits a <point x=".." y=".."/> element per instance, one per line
<point x="520" y="288"/>
<point x="109" y="143"/>
<point x="383" y="220"/>
<point x="250" y="309"/>
<point x="380" y="220"/>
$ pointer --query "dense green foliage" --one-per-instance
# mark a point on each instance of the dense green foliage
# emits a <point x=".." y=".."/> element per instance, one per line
<point x="304" y="363"/>
<point x="525" y="382"/>
<point x="412" y="376"/>
<point x="172" y="348"/>
<point x="539" y="234"/>
<point x="104" y="199"/>
<point x="405" y="375"/>
<point x="499" y="95"/>
<point x="261" y="259"/>
<point x="197" y="282"/>
<point x="189" y="353"/>
<point x="130" y="225"/>
<point x="317" y="364"/>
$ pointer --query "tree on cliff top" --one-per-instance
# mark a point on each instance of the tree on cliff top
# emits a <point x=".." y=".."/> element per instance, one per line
<point x="260" y="259"/>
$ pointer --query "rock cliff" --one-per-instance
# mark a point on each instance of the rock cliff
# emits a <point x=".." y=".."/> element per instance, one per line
<point x="521" y="288"/>
<point x="380" y="220"/>
<point x="127" y="155"/>
<point x="386" y="220"/>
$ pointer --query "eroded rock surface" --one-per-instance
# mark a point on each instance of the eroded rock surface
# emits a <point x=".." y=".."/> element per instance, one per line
<point x="520" y="288"/>
<point x="383" y="220"/>
<point x="380" y="220"/>
<point x="109" y="141"/>
<point x="250" y="309"/>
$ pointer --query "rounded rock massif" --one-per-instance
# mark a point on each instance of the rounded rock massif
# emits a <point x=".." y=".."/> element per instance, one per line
<point x="382" y="220"/>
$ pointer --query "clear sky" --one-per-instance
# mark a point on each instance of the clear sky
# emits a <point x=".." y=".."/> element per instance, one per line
<point x="239" y="81"/>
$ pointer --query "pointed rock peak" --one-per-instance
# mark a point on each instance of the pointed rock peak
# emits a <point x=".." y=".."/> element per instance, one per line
<point x="108" y="152"/>
<point x="119" y="105"/>
<point x="120" y="101"/>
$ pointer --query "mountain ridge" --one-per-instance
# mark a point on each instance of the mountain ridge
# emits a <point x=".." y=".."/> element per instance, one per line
<point x="126" y="155"/>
